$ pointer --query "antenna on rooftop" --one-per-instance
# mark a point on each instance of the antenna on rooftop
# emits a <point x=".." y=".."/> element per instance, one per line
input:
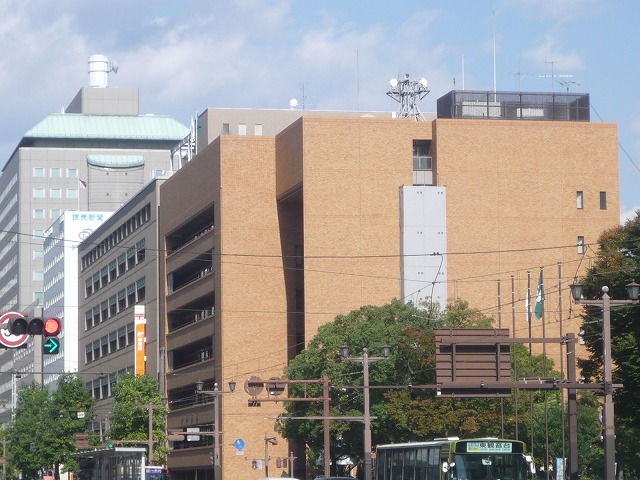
<point x="406" y="92"/>
<point x="567" y="83"/>
<point x="553" y="75"/>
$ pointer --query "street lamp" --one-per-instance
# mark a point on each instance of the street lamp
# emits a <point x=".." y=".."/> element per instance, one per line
<point x="216" y="424"/>
<point x="365" y="359"/>
<point x="150" y="406"/>
<point x="605" y="303"/>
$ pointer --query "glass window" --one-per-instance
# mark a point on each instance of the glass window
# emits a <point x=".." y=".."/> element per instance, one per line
<point x="96" y="282"/>
<point x="88" y="354"/>
<point x="104" y="345"/>
<point x="122" y="265"/>
<point x="122" y="300"/>
<point x="72" y="193"/>
<point x="113" y="342"/>
<point x="104" y="310"/>
<point x="38" y="254"/>
<point x="140" y="289"/>
<point x="38" y="276"/>
<point x="581" y="248"/>
<point x="579" y="200"/>
<point x="88" y="287"/>
<point x="131" y="295"/>
<point x="55" y="172"/>
<point x="112" y="271"/>
<point x="72" y="172"/>
<point x="122" y="337"/>
<point x="130" y="333"/>
<point x="38" y="171"/>
<point x="158" y="173"/>
<point x="603" y="200"/>
<point x="88" y="320"/>
<point x="242" y="129"/>
<point x="140" y="251"/>
<point x="131" y="257"/>
<point x="113" y="306"/>
<point x="55" y="213"/>
<point x="96" y="315"/>
<point x="38" y="213"/>
<point x="225" y="128"/>
<point x="38" y="193"/>
<point x="38" y="233"/>
<point x="55" y="193"/>
<point x="257" y="129"/>
<point x="104" y="276"/>
<point x="96" y="349"/>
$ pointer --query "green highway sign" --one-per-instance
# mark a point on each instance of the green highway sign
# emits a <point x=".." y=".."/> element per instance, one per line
<point x="51" y="346"/>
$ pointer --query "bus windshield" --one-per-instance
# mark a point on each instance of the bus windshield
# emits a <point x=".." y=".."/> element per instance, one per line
<point x="477" y="466"/>
<point x="156" y="473"/>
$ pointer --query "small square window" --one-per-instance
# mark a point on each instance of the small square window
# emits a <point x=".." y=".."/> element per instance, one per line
<point x="55" y="213"/>
<point x="38" y="193"/>
<point x="38" y="233"/>
<point x="55" y="172"/>
<point x="38" y="213"/>
<point x="55" y="193"/>
<point x="72" y="193"/>
<point x="72" y="172"/>
<point x="38" y="171"/>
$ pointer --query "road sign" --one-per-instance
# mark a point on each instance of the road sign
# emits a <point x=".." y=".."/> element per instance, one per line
<point x="6" y="338"/>
<point x="51" y="346"/>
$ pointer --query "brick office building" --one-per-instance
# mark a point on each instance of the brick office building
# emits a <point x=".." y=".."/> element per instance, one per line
<point x="269" y="237"/>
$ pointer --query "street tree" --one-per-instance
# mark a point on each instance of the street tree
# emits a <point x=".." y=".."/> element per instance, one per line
<point x="73" y="405"/>
<point x="617" y="262"/>
<point x="28" y="450"/>
<point x="130" y="422"/>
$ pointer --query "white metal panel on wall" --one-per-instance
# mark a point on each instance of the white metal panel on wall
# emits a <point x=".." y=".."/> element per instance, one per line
<point x="424" y="244"/>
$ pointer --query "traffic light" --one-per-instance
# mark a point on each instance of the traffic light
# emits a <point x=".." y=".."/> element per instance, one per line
<point x="49" y="327"/>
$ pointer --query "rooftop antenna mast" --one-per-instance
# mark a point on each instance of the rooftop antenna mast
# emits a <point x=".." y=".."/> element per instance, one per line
<point x="406" y="92"/>
<point x="553" y="75"/>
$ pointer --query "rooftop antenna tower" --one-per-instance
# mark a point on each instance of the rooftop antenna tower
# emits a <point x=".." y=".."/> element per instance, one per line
<point x="407" y="92"/>
<point x="553" y="75"/>
<point x="99" y="68"/>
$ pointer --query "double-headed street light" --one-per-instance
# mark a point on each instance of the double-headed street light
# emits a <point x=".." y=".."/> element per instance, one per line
<point x="605" y="303"/>
<point x="365" y="359"/>
<point x="216" y="423"/>
<point x="150" y="406"/>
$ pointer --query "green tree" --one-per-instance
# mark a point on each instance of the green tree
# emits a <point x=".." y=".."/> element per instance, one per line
<point x="72" y="403"/>
<point x="410" y="332"/>
<point x="131" y="421"/>
<point x="28" y="450"/>
<point x="616" y="264"/>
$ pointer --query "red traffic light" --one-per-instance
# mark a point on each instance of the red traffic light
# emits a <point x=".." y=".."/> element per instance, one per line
<point x="52" y="327"/>
<point x="48" y="327"/>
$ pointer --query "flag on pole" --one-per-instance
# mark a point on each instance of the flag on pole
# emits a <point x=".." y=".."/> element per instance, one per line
<point x="83" y="184"/>
<point x="539" y="297"/>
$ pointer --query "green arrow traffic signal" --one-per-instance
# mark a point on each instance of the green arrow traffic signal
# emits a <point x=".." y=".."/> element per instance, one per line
<point x="51" y="346"/>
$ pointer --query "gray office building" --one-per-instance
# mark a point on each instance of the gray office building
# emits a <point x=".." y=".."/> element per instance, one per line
<point x="94" y="156"/>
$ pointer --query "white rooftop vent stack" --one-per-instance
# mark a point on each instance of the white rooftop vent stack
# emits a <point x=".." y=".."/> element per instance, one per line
<point x="99" y="68"/>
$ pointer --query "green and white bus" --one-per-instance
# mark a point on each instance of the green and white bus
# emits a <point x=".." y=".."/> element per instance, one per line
<point x="454" y="459"/>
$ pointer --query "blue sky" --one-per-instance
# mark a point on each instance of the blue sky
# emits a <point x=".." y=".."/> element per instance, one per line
<point x="187" y="55"/>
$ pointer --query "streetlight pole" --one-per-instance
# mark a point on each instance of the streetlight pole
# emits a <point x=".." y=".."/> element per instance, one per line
<point x="150" y="406"/>
<point x="605" y="303"/>
<point x="365" y="359"/>
<point x="215" y="393"/>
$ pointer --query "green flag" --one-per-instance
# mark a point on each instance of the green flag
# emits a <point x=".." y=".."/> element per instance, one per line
<point x="539" y="297"/>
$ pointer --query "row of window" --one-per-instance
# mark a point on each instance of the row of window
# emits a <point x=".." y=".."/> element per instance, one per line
<point x="134" y="222"/>
<point x="242" y="129"/>
<point x="101" y="388"/>
<point x="55" y="193"/>
<point x="41" y="213"/>
<point x="580" y="200"/>
<point x="55" y="172"/>
<point x="108" y="344"/>
<point x="116" y="268"/>
<point x="124" y="299"/>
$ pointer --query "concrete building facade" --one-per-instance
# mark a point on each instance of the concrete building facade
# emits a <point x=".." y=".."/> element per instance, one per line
<point x="94" y="156"/>
<point x="118" y="298"/>
<point x="269" y="237"/>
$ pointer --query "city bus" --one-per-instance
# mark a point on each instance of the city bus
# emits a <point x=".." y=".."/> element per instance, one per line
<point x="454" y="459"/>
